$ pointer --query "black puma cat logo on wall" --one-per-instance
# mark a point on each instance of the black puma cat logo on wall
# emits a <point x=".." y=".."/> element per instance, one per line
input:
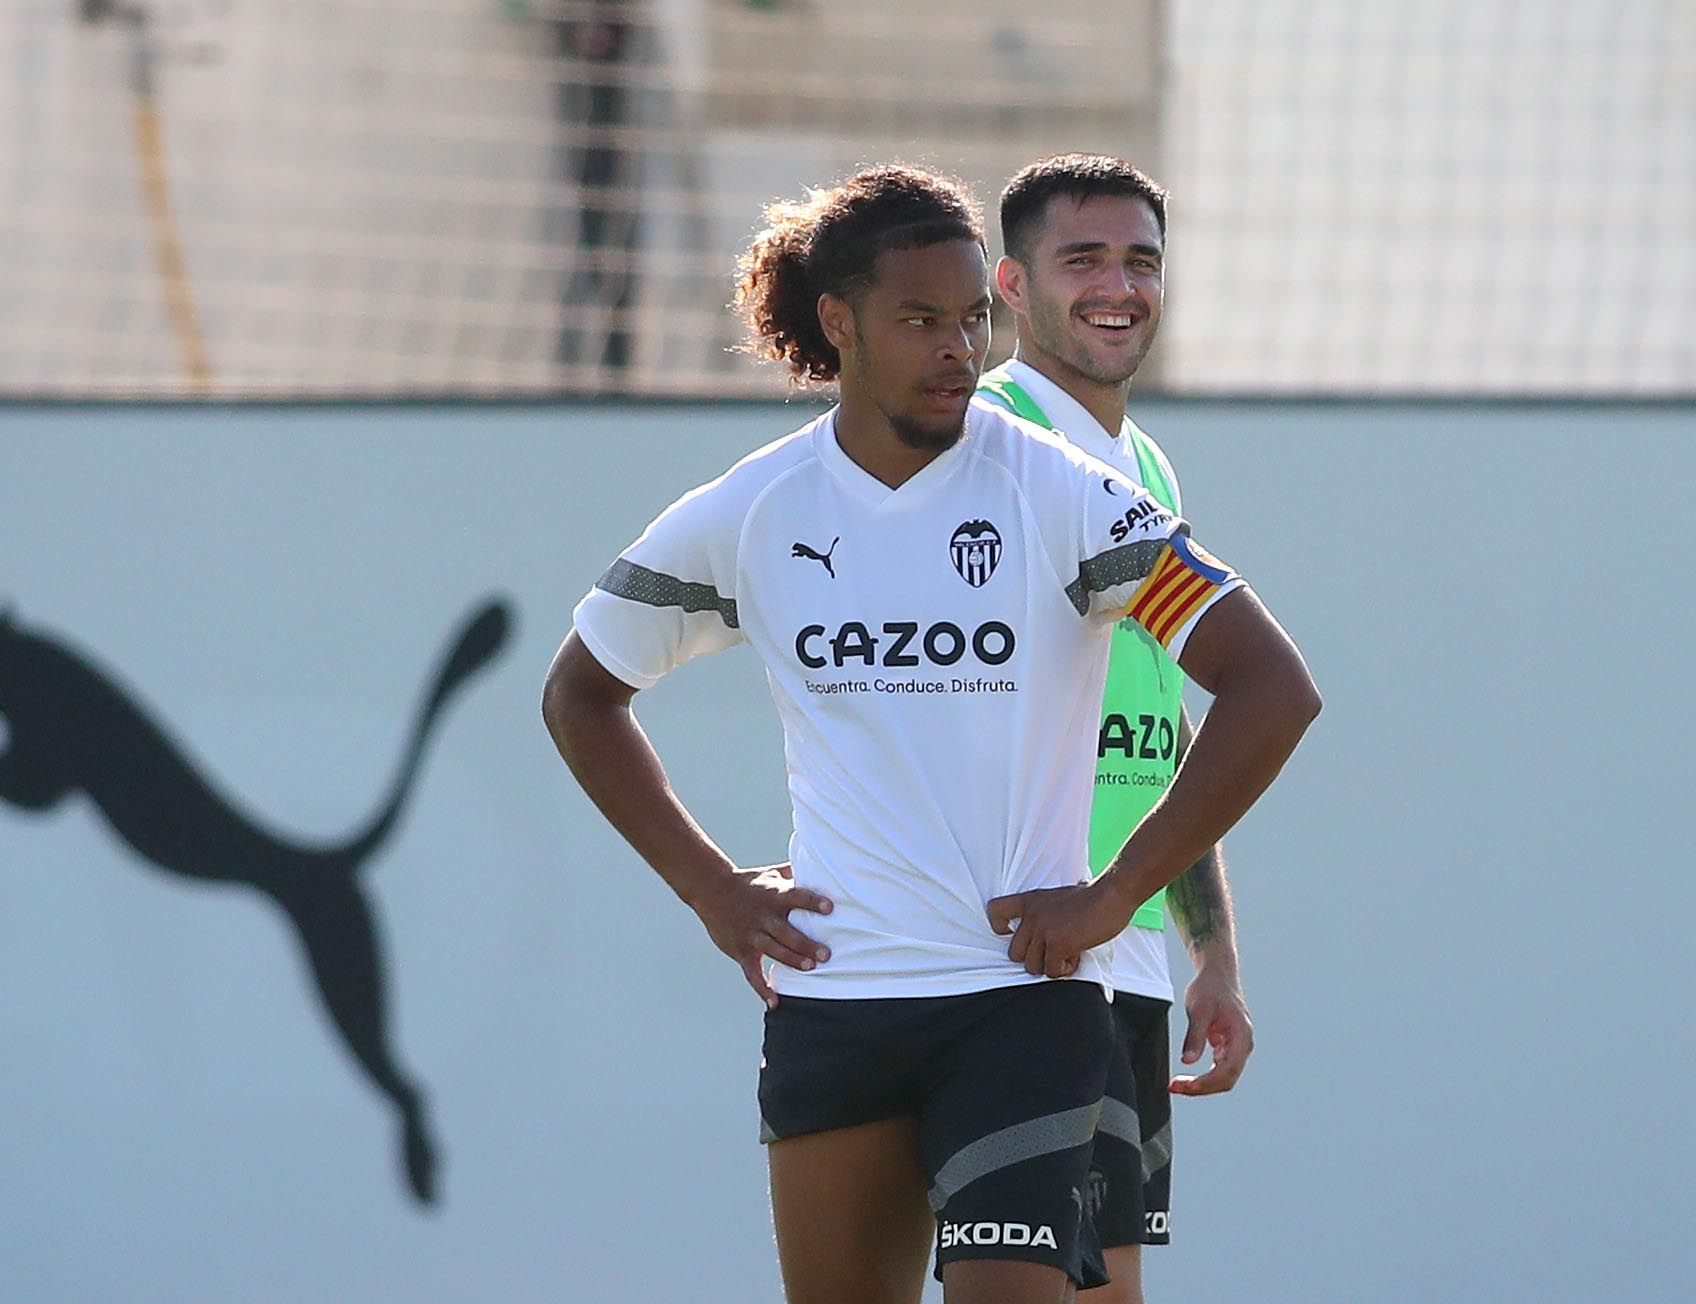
<point x="71" y="727"/>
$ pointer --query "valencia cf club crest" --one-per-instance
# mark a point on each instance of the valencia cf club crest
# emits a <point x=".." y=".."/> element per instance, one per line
<point x="976" y="547"/>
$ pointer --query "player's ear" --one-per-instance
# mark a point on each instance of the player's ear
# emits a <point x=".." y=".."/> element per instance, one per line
<point x="836" y="319"/>
<point x="1010" y="282"/>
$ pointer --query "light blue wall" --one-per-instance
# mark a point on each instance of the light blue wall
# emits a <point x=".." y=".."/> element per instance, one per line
<point x="1465" y="909"/>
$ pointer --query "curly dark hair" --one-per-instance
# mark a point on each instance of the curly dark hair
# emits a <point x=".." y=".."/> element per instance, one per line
<point x="829" y="244"/>
<point x="1077" y="176"/>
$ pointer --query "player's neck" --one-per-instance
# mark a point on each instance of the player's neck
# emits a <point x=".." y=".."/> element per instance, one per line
<point x="872" y="444"/>
<point x="1106" y="403"/>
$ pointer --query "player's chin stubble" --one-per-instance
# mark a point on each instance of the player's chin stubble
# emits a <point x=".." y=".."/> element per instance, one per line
<point x="1115" y="372"/>
<point x="927" y="439"/>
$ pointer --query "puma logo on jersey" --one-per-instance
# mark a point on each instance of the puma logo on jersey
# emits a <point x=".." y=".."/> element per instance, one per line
<point x="823" y="558"/>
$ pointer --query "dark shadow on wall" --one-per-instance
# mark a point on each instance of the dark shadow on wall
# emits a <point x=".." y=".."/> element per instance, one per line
<point x="72" y="727"/>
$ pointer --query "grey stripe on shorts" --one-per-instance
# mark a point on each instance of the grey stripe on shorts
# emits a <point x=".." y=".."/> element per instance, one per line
<point x="1011" y="1145"/>
<point x="1120" y="1120"/>
<point x="1157" y="1152"/>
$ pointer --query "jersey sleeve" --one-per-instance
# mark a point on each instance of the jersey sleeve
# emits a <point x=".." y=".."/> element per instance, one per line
<point x="670" y="596"/>
<point x="1137" y="560"/>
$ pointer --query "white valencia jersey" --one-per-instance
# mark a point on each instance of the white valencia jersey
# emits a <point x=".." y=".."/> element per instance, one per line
<point x="937" y="654"/>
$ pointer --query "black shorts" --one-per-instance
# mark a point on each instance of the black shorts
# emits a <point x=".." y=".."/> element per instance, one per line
<point x="1130" y="1177"/>
<point x="1006" y="1086"/>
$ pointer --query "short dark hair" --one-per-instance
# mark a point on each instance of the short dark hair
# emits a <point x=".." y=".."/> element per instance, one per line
<point x="829" y="244"/>
<point x="1076" y="176"/>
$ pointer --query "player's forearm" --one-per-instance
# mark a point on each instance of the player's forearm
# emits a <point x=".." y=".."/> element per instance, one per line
<point x="612" y="758"/>
<point x="1261" y="708"/>
<point x="1200" y="902"/>
<point x="1200" y="898"/>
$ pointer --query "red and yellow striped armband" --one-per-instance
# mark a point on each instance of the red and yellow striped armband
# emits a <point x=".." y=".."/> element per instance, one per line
<point x="1182" y="582"/>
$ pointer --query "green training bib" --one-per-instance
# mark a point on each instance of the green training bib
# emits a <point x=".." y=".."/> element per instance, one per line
<point x="1137" y="748"/>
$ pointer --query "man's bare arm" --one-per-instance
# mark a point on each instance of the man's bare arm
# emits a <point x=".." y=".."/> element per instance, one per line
<point x="1200" y="898"/>
<point x="1217" y="1012"/>
<point x="1263" y="701"/>
<point x="1200" y="903"/>
<point x="746" y="911"/>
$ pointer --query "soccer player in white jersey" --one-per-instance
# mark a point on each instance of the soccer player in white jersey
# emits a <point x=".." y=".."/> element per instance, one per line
<point x="1083" y="273"/>
<point x="931" y="585"/>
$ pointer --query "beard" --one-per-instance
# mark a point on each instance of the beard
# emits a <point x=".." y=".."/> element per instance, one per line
<point x="1115" y="373"/>
<point x="926" y="439"/>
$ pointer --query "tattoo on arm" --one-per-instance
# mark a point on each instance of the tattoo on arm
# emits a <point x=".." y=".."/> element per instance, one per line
<point x="1199" y="900"/>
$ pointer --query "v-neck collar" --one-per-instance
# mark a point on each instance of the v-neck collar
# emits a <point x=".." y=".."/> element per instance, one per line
<point x="865" y="486"/>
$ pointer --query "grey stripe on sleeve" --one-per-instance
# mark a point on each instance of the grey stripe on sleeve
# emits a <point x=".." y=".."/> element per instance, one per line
<point x="1012" y="1145"/>
<point x="1106" y="570"/>
<point x="625" y="579"/>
